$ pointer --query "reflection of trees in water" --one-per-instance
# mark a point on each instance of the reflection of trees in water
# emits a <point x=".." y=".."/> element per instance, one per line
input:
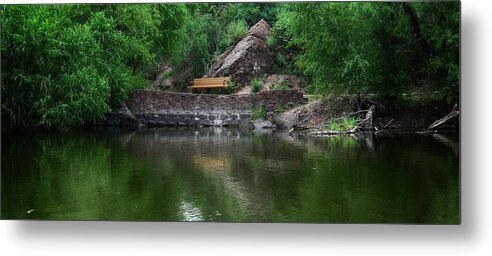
<point x="227" y="167"/>
<point x="453" y="144"/>
<point x="401" y="179"/>
<point x="365" y="179"/>
<point x="210" y="174"/>
<point x="81" y="176"/>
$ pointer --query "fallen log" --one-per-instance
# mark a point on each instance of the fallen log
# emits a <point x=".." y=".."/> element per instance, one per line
<point x="321" y="133"/>
<point x="454" y="113"/>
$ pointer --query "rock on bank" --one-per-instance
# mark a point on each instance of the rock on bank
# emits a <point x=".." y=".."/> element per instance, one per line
<point x="248" y="58"/>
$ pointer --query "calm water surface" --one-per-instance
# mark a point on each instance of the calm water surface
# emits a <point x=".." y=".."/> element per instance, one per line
<point x="229" y="175"/>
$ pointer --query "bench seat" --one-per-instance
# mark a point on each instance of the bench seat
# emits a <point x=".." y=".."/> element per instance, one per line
<point x="206" y="83"/>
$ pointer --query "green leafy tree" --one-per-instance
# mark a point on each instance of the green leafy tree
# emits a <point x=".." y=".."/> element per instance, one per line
<point x="65" y="65"/>
<point x="384" y="48"/>
<point x="439" y="29"/>
<point x="337" y="50"/>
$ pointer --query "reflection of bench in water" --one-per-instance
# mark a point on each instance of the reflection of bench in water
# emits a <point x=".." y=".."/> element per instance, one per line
<point x="212" y="164"/>
<point x="248" y="199"/>
<point x="209" y="83"/>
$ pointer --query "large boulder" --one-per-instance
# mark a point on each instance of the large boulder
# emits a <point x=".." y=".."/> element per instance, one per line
<point x="163" y="80"/>
<point x="248" y="58"/>
<point x="261" y="124"/>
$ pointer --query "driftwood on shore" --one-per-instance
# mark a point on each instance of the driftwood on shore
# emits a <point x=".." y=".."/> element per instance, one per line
<point x="454" y="113"/>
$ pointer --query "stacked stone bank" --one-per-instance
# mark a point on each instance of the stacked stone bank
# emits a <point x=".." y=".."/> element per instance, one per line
<point x="157" y="108"/>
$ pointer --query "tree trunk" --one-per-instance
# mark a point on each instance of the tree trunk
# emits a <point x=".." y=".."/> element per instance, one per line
<point x="414" y="22"/>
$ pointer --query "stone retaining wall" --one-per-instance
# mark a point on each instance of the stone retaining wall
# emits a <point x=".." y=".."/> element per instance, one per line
<point x="168" y="102"/>
<point x="157" y="108"/>
<point x="273" y="99"/>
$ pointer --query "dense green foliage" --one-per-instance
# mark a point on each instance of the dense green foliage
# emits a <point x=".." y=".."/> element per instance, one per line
<point x="284" y="51"/>
<point x="383" y="48"/>
<point x="67" y="64"/>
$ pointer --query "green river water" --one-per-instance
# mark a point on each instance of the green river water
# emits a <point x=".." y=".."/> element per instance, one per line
<point x="228" y="175"/>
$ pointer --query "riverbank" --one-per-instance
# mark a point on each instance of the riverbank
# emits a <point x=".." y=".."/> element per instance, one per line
<point x="415" y="114"/>
<point x="158" y="108"/>
<point x="287" y="110"/>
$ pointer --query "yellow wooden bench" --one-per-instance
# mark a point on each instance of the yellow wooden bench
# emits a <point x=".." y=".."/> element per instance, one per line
<point x="207" y="83"/>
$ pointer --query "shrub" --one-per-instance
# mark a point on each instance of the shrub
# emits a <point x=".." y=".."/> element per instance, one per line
<point x="281" y="108"/>
<point x="280" y="87"/>
<point x="230" y="89"/>
<point x="235" y="31"/>
<point x="349" y="123"/>
<point x="344" y="125"/>
<point x="256" y="85"/>
<point x="280" y="43"/>
<point x="259" y="113"/>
